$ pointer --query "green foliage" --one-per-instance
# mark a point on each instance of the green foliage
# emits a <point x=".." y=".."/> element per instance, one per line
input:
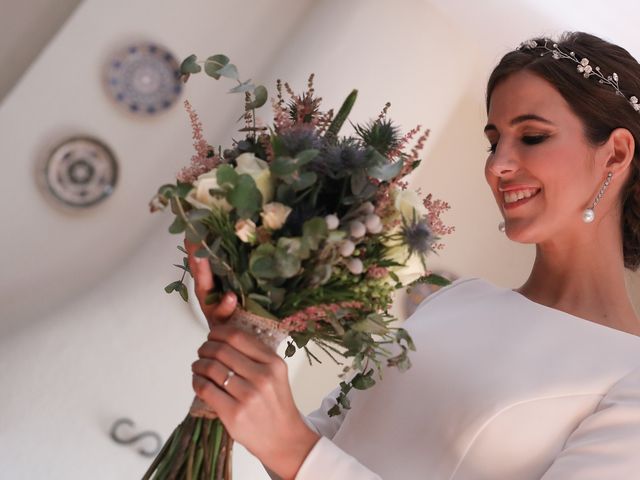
<point x="214" y="64"/>
<point x="381" y="168"/>
<point x="380" y="134"/>
<point x="245" y="196"/>
<point x="314" y="231"/>
<point x="260" y="97"/>
<point x="189" y="65"/>
<point x="341" y="117"/>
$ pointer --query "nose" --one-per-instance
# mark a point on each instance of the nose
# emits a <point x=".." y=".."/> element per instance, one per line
<point x="502" y="162"/>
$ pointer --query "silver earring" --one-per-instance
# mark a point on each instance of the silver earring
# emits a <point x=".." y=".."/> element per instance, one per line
<point x="502" y="227"/>
<point x="589" y="214"/>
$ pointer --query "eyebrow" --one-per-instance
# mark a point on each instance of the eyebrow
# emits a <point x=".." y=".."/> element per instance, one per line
<point x="520" y="119"/>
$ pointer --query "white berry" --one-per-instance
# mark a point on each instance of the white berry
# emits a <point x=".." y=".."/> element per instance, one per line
<point x="355" y="266"/>
<point x="332" y="222"/>
<point x="346" y="248"/>
<point x="357" y="229"/>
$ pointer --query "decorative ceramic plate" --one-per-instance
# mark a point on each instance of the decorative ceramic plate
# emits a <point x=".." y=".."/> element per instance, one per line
<point x="143" y="78"/>
<point x="81" y="172"/>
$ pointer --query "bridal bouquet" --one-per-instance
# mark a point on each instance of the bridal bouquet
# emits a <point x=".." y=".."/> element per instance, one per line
<point x="313" y="231"/>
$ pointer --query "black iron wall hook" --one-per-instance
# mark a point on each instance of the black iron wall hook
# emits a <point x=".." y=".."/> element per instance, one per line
<point x="127" y="441"/>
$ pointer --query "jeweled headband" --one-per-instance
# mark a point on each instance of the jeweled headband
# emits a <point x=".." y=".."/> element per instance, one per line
<point x="582" y="67"/>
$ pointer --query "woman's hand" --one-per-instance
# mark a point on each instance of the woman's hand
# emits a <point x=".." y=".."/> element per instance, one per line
<point x="215" y="313"/>
<point x="256" y="405"/>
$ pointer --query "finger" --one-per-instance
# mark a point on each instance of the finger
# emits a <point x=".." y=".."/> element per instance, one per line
<point x="244" y="342"/>
<point x="225" y="308"/>
<point x="231" y="358"/>
<point x="218" y="372"/>
<point x="214" y="396"/>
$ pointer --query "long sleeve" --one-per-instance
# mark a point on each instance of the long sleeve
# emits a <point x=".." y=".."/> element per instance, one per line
<point x="606" y="444"/>
<point x="326" y="461"/>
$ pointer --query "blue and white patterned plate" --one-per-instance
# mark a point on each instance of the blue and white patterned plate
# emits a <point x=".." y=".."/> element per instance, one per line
<point x="143" y="78"/>
<point x="81" y="172"/>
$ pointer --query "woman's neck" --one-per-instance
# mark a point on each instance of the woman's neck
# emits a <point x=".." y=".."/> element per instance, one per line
<point x="587" y="284"/>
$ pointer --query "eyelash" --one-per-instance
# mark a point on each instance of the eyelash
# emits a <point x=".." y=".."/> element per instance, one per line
<point x="527" y="140"/>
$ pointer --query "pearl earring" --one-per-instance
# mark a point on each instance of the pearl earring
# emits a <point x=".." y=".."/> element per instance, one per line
<point x="589" y="214"/>
<point x="502" y="227"/>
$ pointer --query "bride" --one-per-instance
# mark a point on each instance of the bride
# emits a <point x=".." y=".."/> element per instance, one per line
<point x="542" y="381"/>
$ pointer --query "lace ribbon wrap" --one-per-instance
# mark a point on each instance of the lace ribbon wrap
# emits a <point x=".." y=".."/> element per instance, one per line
<point x="269" y="331"/>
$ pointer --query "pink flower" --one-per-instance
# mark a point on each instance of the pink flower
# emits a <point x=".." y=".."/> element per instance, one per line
<point x="202" y="161"/>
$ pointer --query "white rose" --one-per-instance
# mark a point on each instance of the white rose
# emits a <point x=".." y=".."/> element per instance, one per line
<point x="258" y="170"/>
<point x="200" y="197"/>
<point x="412" y="268"/>
<point x="274" y="215"/>
<point x="408" y="203"/>
<point x="246" y="231"/>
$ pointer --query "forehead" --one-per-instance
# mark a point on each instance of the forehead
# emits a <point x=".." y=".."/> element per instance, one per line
<point x="526" y="93"/>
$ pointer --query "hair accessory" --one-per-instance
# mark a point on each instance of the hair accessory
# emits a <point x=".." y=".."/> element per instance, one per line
<point x="589" y="215"/>
<point x="583" y="67"/>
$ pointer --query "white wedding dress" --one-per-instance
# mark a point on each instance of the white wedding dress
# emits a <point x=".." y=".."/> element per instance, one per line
<point x="501" y="388"/>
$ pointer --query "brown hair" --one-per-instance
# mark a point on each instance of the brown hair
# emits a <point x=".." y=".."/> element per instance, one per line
<point x="598" y="106"/>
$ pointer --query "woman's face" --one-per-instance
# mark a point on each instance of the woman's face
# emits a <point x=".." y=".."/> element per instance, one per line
<point x="538" y="150"/>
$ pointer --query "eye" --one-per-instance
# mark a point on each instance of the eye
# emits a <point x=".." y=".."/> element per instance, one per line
<point x="534" y="139"/>
<point x="492" y="148"/>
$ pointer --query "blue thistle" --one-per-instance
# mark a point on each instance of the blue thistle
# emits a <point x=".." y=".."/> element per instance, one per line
<point x="418" y="237"/>
<point x="295" y="140"/>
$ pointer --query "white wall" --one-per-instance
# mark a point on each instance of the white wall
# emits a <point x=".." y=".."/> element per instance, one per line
<point x="87" y="334"/>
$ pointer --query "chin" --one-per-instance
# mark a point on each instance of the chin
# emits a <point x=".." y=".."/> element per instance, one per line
<point x="521" y="232"/>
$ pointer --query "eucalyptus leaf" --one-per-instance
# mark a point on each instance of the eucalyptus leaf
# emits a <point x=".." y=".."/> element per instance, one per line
<point x="402" y="334"/>
<point x="400" y="361"/>
<point x="183" y="189"/>
<point x="189" y="65"/>
<point x="285" y="194"/>
<point x="282" y="166"/>
<point x="382" y="169"/>
<point x="182" y="289"/>
<point x="261" y="299"/>
<point x="167" y="190"/>
<point x="243" y="87"/>
<point x="172" y="286"/>
<point x="229" y="71"/>
<point x="254" y="307"/>
<point x="260" y="97"/>
<point x="226" y="176"/>
<point x="371" y="325"/>
<point x="294" y="246"/>
<point x="290" y="350"/>
<point x="305" y="180"/>
<point x="362" y="382"/>
<point x="286" y="265"/>
<point x="262" y="262"/>
<point x="177" y="226"/>
<point x="198" y="235"/>
<point x="213" y="65"/>
<point x="306" y="156"/>
<point x="314" y="231"/>
<point x="198" y="214"/>
<point x="245" y="196"/>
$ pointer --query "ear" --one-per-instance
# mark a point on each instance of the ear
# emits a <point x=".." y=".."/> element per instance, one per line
<point x="619" y="149"/>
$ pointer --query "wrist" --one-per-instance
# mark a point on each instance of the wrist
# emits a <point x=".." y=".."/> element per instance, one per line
<point x="293" y="452"/>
